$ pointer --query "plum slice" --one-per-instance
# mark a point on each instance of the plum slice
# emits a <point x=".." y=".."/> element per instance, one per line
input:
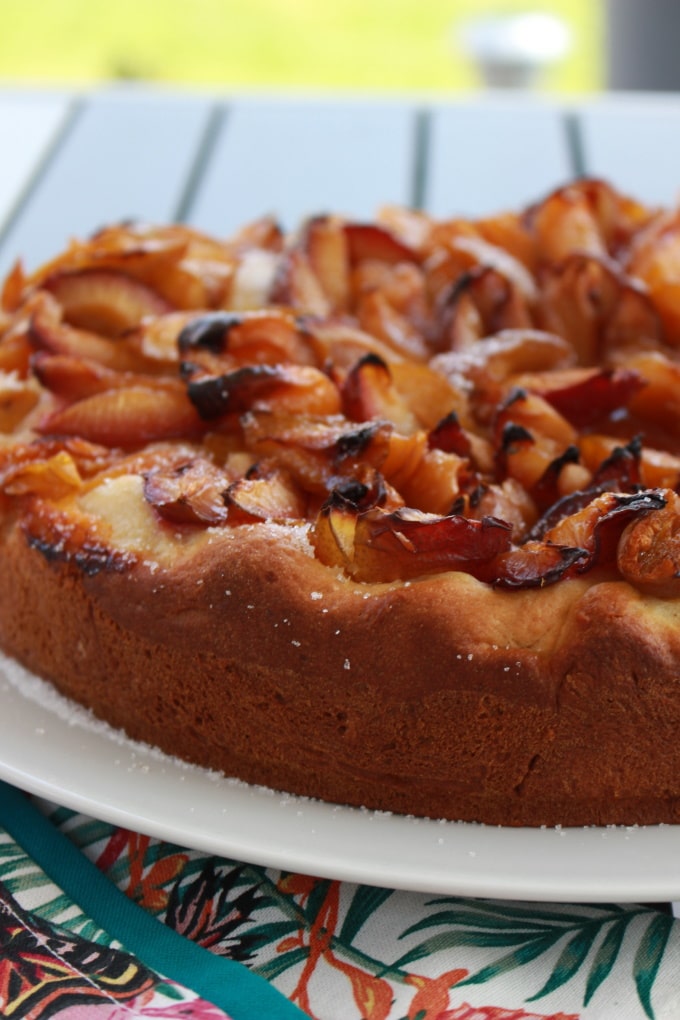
<point x="387" y="546"/>
<point x="648" y="553"/>
<point x="287" y="388"/>
<point x="369" y="392"/>
<point x="104" y="301"/>
<point x="591" y="396"/>
<point x="372" y="241"/>
<point x="265" y="493"/>
<point x="188" y="493"/>
<point x="127" y="418"/>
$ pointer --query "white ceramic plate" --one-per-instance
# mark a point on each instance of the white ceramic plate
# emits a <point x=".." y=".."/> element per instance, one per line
<point x="51" y="748"/>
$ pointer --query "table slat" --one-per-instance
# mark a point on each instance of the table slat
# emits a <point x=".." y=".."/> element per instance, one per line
<point x="486" y="155"/>
<point x="293" y="158"/>
<point x="129" y="154"/>
<point x="634" y="142"/>
<point x="30" y="124"/>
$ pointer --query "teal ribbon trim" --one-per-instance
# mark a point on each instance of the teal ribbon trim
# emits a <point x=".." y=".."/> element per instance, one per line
<point x="225" y="983"/>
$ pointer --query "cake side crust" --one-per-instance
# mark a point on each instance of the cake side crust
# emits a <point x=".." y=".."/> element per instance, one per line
<point x="534" y="724"/>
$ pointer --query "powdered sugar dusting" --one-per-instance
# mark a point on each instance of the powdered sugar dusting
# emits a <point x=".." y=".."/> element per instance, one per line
<point x="295" y="535"/>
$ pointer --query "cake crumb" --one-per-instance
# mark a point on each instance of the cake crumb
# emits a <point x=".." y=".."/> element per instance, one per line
<point x="315" y="595"/>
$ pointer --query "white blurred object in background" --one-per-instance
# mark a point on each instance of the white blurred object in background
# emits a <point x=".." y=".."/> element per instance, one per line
<point x="512" y="51"/>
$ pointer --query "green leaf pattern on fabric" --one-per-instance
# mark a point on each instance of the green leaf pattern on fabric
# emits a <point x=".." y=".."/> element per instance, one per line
<point x="357" y="952"/>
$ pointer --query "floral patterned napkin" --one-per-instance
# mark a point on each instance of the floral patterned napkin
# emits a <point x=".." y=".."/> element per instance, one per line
<point x="100" y="923"/>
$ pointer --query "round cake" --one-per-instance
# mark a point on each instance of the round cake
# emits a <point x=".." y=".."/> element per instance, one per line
<point x="381" y="513"/>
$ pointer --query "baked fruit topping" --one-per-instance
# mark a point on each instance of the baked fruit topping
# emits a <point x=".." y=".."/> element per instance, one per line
<point x="423" y="406"/>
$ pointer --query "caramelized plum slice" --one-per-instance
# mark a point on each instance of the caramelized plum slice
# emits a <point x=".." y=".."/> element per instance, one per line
<point x="546" y="491"/>
<point x="648" y="552"/>
<point x="509" y="502"/>
<point x="74" y="378"/>
<point x="566" y="222"/>
<point x="654" y="259"/>
<point x="656" y="469"/>
<point x="289" y="389"/>
<point x="260" y="337"/>
<point x="52" y="477"/>
<point x="296" y="285"/>
<point x="189" y="493"/>
<point x="49" y="332"/>
<point x="325" y="241"/>
<point x="482" y="302"/>
<point x="18" y="397"/>
<point x="266" y="493"/>
<point x="406" y="544"/>
<point x="621" y="469"/>
<point x="127" y="418"/>
<point x="594" y="396"/>
<point x="369" y="392"/>
<point x="379" y="317"/>
<point x="448" y="435"/>
<point x="340" y="345"/>
<point x="371" y="241"/>
<point x="15" y="347"/>
<point x="485" y="367"/>
<point x="88" y="457"/>
<point x="428" y="479"/>
<point x="586" y="215"/>
<point x="332" y="533"/>
<point x="596" y="308"/>
<point x="535" y="414"/>
<point x="186" y="268"/>
<point x="428" y="394"/>
<point x="658" y="402"/>
<point x="104" y="301"/>
<point x="530" y="436"/>
<point x="533" y="565"/>
<point x="317" y="450"/>
<point x="376" y="546"/>
<point x="597" y="527"/>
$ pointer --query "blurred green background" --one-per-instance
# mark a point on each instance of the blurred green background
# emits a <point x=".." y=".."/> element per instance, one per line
<point x="377" y="45"/>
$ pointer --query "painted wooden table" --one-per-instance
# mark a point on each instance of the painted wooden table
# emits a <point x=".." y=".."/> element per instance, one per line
<point x="72" y="162"/>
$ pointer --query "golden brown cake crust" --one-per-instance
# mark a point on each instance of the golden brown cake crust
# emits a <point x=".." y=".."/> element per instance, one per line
<point x="520" y="714"/>
<point x="387" y="515"/>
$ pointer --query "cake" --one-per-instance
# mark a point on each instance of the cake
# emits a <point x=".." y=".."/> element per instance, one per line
<point x="380" y="513"/>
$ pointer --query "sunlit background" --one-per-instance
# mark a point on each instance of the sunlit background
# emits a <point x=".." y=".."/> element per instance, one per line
<point x="377" y="45"/>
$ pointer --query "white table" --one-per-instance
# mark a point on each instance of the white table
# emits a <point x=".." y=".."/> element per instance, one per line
<point x="73" y="161"/>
